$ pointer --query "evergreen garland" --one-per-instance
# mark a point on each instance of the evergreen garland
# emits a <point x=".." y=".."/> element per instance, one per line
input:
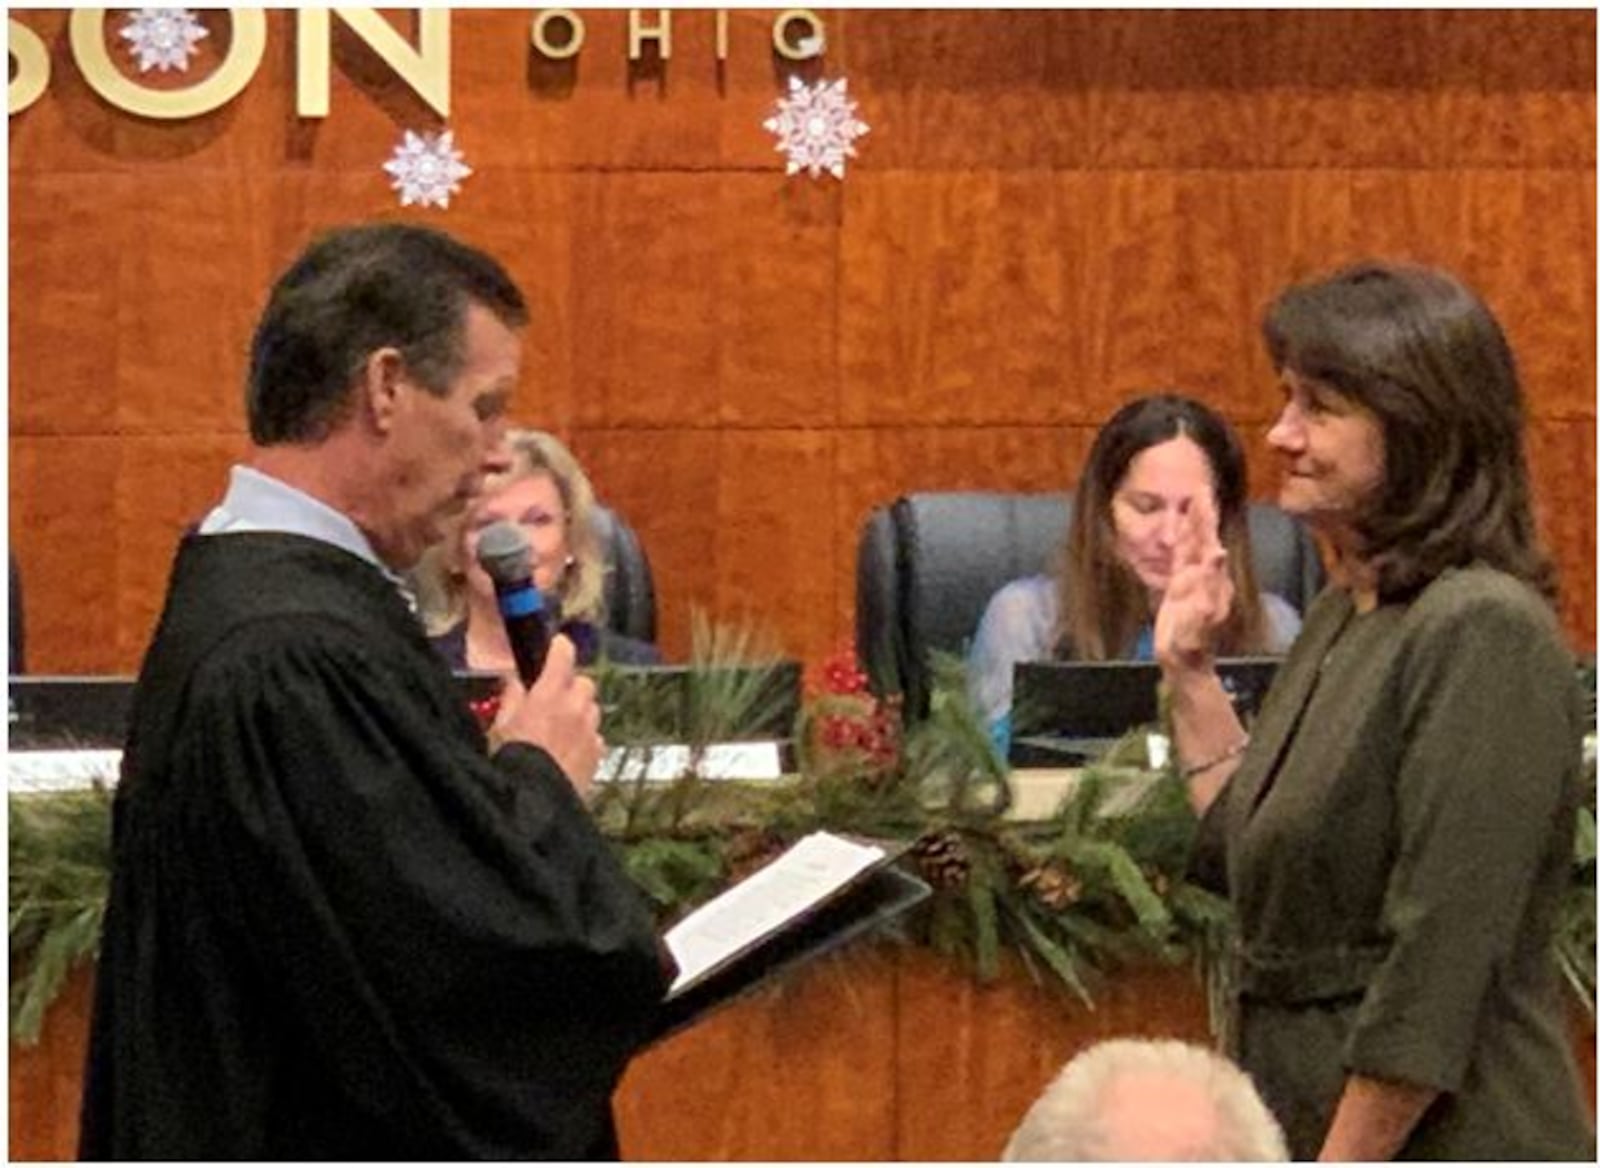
<point x="1074" y="895"/>
<point x="60" y="875"/>
<point x="1097" y="884"/>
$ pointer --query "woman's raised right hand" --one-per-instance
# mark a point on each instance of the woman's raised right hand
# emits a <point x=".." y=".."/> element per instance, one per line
<point x="1199" y="594"/>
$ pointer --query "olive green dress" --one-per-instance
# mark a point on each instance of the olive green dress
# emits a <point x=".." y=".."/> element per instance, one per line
<point x="1395" y="845"/>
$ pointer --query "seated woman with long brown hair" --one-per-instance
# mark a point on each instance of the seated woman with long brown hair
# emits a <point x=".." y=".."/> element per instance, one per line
<point x="1147" y="466"/>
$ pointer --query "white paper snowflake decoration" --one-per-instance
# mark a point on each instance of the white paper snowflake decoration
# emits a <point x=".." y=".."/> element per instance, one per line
<point x="816" y="126"/>
<point x="427" y="169"/>
<point x="163" y="38"/>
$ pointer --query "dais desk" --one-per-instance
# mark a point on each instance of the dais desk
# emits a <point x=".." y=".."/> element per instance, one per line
<point x="883" y="1052"/>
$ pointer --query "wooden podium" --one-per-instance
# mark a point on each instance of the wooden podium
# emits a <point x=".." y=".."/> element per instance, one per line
<point x="880" y="1053"/>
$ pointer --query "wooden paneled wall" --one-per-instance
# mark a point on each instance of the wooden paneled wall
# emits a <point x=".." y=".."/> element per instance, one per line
<point x="1053" y="211"/>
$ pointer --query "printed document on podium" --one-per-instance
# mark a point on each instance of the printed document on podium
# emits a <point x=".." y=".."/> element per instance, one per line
<point x="805" y="876"/>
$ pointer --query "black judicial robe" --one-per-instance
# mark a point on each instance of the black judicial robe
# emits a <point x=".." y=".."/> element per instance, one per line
<point x="337" y="929"/>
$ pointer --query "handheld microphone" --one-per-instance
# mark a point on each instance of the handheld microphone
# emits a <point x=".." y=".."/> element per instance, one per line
<point x="504" y="553"/>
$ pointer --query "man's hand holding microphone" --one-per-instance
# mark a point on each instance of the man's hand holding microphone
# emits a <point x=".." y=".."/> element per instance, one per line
<point x="550" y="704"/>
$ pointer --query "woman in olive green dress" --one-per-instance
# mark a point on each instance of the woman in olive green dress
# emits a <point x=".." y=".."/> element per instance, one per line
<point x="1396" y="832"/>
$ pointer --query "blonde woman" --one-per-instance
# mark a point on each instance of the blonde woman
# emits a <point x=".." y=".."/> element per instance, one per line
<point x="547" y="494"/>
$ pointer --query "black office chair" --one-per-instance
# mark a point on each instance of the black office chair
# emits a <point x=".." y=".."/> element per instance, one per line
<point x="15" y="632"/>
<point x="928" y="563"/>
<point x="630" y="592"/>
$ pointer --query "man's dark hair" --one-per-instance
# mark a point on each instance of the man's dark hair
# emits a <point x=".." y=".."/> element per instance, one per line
<point x="1422" y="352"/>
<point x="355" y="290"/>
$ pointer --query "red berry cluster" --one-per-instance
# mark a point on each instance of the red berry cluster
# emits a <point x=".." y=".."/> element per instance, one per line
<point x="838" y="674"/>
<point x="872" y="732"/>
<point x="852" y="726"/>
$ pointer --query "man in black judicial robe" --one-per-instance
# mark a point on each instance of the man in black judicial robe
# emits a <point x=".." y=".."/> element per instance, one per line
<point x="339" y="925"/>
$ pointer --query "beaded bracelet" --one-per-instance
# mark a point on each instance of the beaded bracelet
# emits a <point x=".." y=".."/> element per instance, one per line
<point x="1233" y="751"/>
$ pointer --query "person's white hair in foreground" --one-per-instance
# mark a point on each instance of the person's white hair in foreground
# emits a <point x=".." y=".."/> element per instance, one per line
<point x="1148" y="1099"/>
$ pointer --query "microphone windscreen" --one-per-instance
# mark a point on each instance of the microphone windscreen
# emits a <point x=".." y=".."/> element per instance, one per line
<point x="504" y="552"/>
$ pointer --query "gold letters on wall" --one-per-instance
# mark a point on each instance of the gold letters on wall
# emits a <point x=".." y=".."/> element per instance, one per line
<point x="33" y="66"/>
<point x="425" y="68"/>
<point x="244" y="56"/>
<point x="639" y="32"/>
<point x="540" y="34"/>
<point x="811" y="44"/>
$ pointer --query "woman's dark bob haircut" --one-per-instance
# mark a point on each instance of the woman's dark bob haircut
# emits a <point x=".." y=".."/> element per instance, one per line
<point x="1424" y="354"/>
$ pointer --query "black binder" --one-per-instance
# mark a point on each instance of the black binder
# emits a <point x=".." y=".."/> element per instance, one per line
<point x="873" y="899"/>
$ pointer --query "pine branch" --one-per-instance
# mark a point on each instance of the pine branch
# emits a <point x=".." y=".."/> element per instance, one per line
<point x="1055" y="955"/>
<point x="982" y="903"/>
<point x="60" y="857"/>
<point x="1100" y="882"/>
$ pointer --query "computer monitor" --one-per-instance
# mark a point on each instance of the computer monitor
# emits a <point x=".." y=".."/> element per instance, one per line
<point x="68" y="713"/>
<point x="79" y="713"/>
<point x="66" y="733"/>
<point x="1067" y="712"/>
<point x="680" y="703"/>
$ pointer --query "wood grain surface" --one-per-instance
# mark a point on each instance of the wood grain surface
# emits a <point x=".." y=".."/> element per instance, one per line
<point x="1053" y="211"/>
<point x="879" y="1053"/>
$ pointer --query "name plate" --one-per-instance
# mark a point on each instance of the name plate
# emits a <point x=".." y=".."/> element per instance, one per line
<point x="721" y="760"/>
<point x="44" y="772"/>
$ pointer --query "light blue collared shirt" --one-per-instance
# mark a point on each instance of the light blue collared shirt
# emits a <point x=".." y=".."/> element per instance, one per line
<point x="259" y="502"/>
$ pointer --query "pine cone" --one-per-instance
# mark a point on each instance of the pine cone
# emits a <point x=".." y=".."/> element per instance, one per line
<point x="1160" y="883"/>
<point x="942" y="859"/>
<point x="1052" y="886"/>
